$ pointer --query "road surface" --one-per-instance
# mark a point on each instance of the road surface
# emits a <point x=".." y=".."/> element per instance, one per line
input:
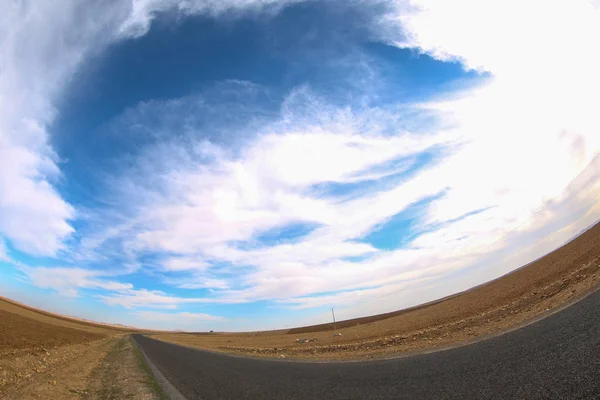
<point x="555" y="358"/>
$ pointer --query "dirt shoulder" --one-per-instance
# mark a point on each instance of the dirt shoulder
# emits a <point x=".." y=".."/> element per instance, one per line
<point x="523" y="295"/>
<point x="99" y="370"/>
<point x="59" y="373"/>
<point x="48" y="357"/>
<point x="122" y="374"/>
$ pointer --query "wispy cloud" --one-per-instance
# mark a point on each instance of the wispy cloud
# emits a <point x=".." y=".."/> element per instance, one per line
<point x="3" y="250"/>
<point x="511" y="129"/>
<point x="42" y="46"/>
<point x="214" y="212"/>
<point x="37" y="62"/>
<point x="179" y="318"/>
<point x="143" y="12"/>
<point x="69" y="281"/>
<point x="189" y="321"/>
<point x="143" y="298"/>
<point x="204" y="209"/>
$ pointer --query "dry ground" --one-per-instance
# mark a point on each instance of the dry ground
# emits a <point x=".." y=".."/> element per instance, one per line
<point x="46" y="356"/>
<point x="523" y="295"/>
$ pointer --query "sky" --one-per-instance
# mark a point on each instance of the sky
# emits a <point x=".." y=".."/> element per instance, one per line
<point x="251" y="164"/>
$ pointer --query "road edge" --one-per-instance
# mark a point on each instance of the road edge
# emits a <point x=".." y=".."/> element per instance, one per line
<point x="394" y="356"/>
<point x="167" y="387"/>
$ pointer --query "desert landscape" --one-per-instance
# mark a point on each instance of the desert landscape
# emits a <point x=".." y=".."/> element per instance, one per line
<point x="48" y="356"/>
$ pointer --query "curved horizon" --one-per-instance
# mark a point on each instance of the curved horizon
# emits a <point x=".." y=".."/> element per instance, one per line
<point x="250" y="165"/>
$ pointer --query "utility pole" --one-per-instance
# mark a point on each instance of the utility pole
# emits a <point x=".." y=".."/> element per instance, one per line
<point x="333" y="315"/>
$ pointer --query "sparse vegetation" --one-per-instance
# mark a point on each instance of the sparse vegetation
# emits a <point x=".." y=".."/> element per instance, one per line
<point x="149" y="377"/>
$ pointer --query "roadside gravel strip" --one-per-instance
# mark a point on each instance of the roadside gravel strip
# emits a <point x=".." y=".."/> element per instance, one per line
<point x="555" y="358"/>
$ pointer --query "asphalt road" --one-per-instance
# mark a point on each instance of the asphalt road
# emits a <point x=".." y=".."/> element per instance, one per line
<point x="555" y="358"/>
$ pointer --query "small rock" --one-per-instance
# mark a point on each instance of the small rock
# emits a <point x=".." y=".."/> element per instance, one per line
<point x="305" y="340"/>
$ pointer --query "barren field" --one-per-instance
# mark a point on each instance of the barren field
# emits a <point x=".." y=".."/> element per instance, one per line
<point x="508" y="302"/>
<point x="46" y="356"/>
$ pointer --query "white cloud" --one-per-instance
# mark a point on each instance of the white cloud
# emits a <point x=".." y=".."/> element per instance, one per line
<point x="207" y="208"/>
<point x="143" y="298"/>
<point x="426" y="25"/>
<point x="234" y="199"/>
<point x="199" y="282"/>
<point x="516" y="142"/>
<point x="144" y="11"/>
<point x="189" y="321"/>
<point x="3" y="250"/>
<point x="33" y="216"/>
<point x="533" y="127"/>
<point x="41" y="46"/>
<point x="179" y="318"/>
<point x="68" y="281"/>
<point x="184" y="264"/>
<point x="523" y="136"/>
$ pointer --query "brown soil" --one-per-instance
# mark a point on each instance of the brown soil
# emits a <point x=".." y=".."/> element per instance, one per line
<point x="121" y="375"/>
<point x="59" y="320"/>
<point x="523" y="295"/>
<point x="21" y="335"/>
<point x="100" y="370"/>
<point x="59" y="373"/>
<point x="43" y="356"/>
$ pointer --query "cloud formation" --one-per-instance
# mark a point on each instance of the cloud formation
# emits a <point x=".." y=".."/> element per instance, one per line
<point x="3" y="251"/>
<point x="68" y="281"/>
<point x="286" y="213"/>
<point x="28" y="83"/>
<point x="143" y="12"/>
<point x="42" y="46"/>
<point x="182" y="318"/>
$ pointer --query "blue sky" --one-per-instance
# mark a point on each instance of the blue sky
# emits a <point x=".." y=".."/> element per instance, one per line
<point x="250" y="164"/>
